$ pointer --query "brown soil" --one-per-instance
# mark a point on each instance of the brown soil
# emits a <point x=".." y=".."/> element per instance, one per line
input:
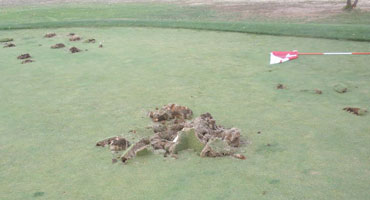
<point x="356" y="111"/>
<point x="71" y="34"/>
<point x="90" y="40"/>
<point x="74" y="38"/>
<point x="24" y="56"/>
<point x="171" y="121"/>
<point x="58" y="46"/>
<point x="50" y="35"/>
<point x="318" y="91"/>
<point x="8" y="45"/>
<point x="27" y="61"/>
<point x="74" y="50"/>
<point x="280" y="86"/>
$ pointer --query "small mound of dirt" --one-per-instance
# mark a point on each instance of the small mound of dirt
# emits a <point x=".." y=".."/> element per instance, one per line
<point x="71" y="34"/>
<point x="100" y="45"/>
<point x="171" y="111"/>
<point x="174" y="131"/>
<point x="8" y="45"/>
<point x="24" y="56"/>
<point x="92" y="40"/>
<point x="74" y="38"/>
<point x="58" y="46"/>
<point x="27" y="61"/>
<point x="356" y="111"/>
<point x="74" y="50"/>
<point x="49" y="35"/>
<point x="280" y="86"/>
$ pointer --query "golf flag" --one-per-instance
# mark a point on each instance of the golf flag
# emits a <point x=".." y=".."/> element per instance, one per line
<point x="282" y="56"/>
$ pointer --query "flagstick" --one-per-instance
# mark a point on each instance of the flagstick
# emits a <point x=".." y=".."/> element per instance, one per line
<point x="337" y="53"/>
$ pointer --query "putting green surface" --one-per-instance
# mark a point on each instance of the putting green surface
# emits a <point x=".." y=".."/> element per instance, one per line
<point x="55" y="109"/>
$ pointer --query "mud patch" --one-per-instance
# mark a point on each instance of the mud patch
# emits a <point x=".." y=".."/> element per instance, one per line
<point x="71" y="34"/>
<point x="27" y="61"/>
<point x="24" y="56"/>
<point x="355" y="111"/>
<point x="8" y="45"/>
<point x="58" y="46"/>
<point x="74" y="50"/>
<point x="50" y="35"/>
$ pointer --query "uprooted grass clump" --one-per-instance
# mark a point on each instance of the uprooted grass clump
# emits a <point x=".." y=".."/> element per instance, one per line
<point x="174" y="131"/>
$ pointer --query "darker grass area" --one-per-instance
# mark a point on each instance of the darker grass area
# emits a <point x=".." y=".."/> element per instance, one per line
<point x="347" y="26"/>
<point x="358" y="32"/>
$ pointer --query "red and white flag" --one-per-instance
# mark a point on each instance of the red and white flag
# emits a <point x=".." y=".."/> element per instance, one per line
<point x="282" y="56"/>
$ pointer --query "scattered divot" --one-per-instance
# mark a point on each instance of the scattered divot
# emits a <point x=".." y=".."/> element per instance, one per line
<point x="8" y="45"/>
<point x="340" y="88"/>
<point x="74" y="50"/>
<point x="49" y="35"/>
<point x="24" y="56"/>
<point x="356" y="111"/>
<point x="58" y="46"/>
<point x="27" y="61"/>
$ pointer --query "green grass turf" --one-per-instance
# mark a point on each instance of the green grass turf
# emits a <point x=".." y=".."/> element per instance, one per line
<point x="354" y="26"/>
<point x="55" y="109"/>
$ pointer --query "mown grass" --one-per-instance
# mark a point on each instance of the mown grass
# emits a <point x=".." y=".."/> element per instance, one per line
<point x="347" y="27"/>
<point x="55" y="109"/>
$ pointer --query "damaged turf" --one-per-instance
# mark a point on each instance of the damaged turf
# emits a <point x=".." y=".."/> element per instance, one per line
<point x="49" y="35"/>
<point x="174" y="131"/>
<point x="58" y="46"/>
<point x="8" y="45"/>
<point x="74" y="50"/>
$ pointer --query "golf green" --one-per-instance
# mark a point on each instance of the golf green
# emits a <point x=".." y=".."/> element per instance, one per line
<point x="52" y="112"/>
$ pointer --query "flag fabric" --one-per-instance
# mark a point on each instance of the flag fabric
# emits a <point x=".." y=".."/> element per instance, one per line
<point x="282" y="56"/>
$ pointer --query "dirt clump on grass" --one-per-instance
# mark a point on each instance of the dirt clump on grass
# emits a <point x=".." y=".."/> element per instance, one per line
<point x="24" y="56"/>
<point x="92" y="40"/>
<point x="280" y="86"/>
<point x="355" y="111"/>
<point x="50" y="35"/>
<point x="74" y="38"/>
<point x="27" y="61"/>
<point x="74" y="50"/>
<point x="8" y="45"/>
<point x="174" y="130"/>
<point x="71" y="34"/>
<point x="58" y="46"/>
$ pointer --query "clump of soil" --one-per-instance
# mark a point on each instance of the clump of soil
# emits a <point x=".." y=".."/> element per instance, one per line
<point x="74" y="38"/>
<point x="74" y="50"/>
<point x="49" y="35"/>
<point x="8" y="45"/>
<point x="6" y="39"/>
<point x="356" y="111"/>
<point x="100" y="45"/>
<point x="340" y="88"/>
<point x="71" y="34"/>
<point x="58" y="46"/>
<point x="27" y="61"/>
<point x="90" y="40"/>
<point x="174" y="131"/>
<point x="170" y="111"/>
<point x="24" y="56"/>
<point x="280" y="86"/>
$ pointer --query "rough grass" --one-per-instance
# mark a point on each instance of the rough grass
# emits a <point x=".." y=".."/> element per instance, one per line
<point x="55" y="109"/>
<point x="345" y="26"/>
